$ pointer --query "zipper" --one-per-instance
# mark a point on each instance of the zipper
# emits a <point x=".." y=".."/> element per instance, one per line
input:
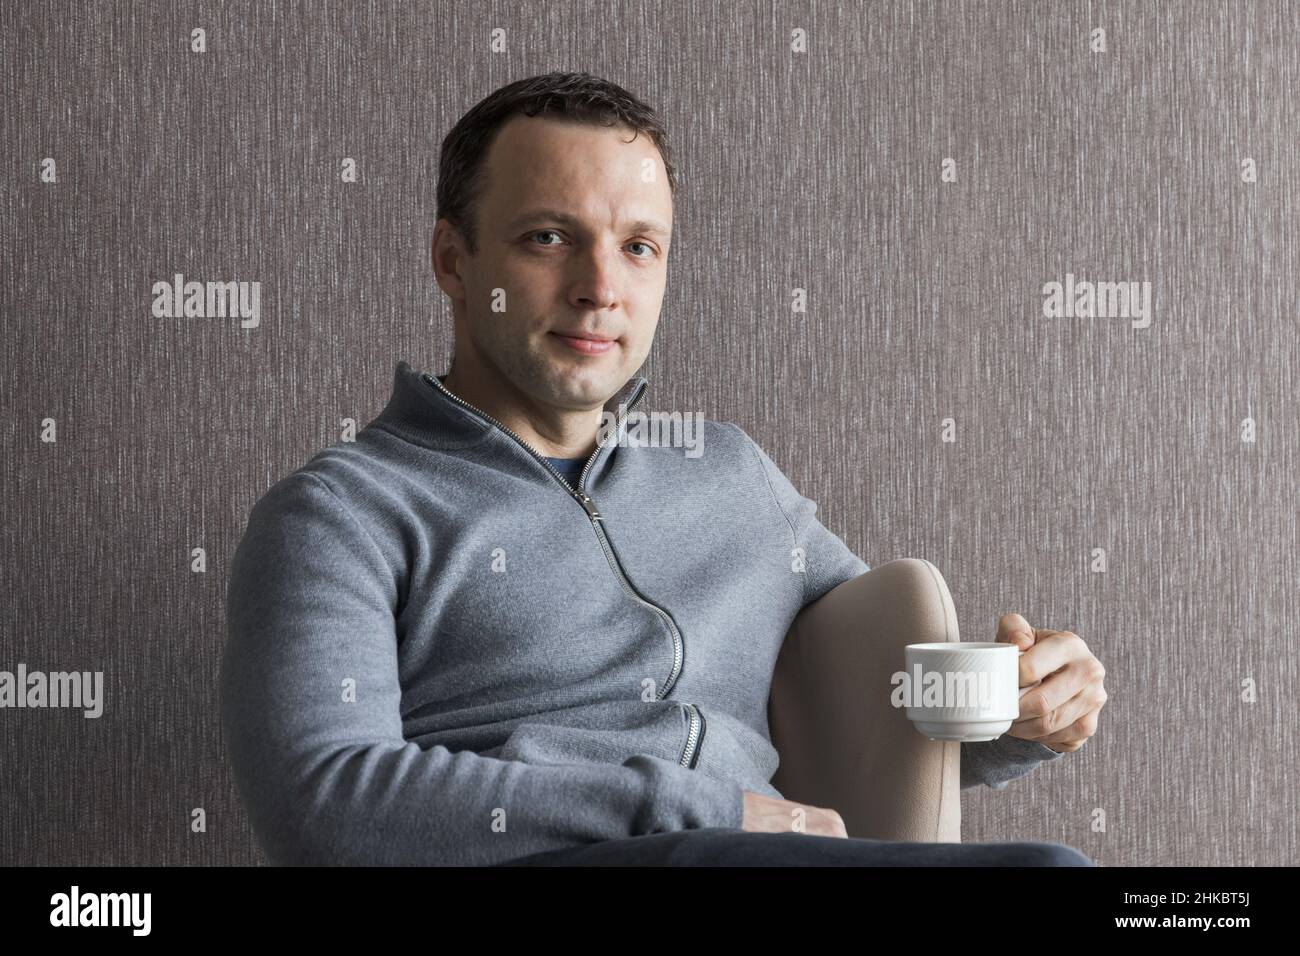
<point x="693" y="739"/>
<point x="696" y="733"/>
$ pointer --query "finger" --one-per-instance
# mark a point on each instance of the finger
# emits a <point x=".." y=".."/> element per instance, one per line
<point x="1063" y="747"/>
<point x="1057" y="688"/>
<point x="1051" y="652"/>
<point x="1076" y="735"/>
<point x="1037" y="724"/>
<point x="1014" y="629"/>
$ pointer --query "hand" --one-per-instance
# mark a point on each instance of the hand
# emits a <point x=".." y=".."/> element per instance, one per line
<point x="769" y="815"/>
<point x="1061" y="712"/>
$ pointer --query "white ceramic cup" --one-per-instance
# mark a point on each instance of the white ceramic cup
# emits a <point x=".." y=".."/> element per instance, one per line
<point x="977" y="694"/>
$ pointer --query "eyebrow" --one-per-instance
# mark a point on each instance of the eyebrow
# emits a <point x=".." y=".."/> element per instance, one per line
<point x="648" y="227"/>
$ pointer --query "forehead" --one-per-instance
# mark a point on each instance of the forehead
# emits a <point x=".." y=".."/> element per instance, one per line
<point x="536" y="162"/>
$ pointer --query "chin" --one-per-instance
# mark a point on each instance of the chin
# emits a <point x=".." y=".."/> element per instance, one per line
<point x="587" y="386"/>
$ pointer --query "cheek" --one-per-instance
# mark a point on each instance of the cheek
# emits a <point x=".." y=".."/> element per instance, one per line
<point x="514" y="275"/>
<point x="511" y="305"/>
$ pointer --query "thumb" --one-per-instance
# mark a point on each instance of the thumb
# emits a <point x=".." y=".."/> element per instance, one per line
<point x="1014" y="629"/>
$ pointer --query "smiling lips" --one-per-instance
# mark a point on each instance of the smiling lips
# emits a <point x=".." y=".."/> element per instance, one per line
<point x="588" y="343"/>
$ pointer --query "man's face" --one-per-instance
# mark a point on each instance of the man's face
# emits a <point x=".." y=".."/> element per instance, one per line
<point x="573" y="240"/>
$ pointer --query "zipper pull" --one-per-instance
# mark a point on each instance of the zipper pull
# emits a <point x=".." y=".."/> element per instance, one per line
<point x="590" y="506"/>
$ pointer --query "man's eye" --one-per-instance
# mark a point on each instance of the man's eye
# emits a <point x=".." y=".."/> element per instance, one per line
<point x="551" y="232"/>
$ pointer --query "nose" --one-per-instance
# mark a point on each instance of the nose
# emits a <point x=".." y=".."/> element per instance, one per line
<point x="594" y="284"/>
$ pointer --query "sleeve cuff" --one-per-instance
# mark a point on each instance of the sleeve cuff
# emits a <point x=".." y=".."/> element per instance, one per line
<point x="681" y="799"/>
<point x="1029" y="748"/>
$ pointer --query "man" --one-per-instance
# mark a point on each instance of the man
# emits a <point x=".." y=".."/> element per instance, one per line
<point x="491" y="629"/>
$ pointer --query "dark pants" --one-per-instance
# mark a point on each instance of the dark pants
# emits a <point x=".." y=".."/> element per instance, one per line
<point x="731" y="847"/>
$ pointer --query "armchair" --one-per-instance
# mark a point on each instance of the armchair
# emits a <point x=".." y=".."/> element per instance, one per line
<point x="841" y="743"/>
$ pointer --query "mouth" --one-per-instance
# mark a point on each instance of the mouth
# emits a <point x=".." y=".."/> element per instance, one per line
<point x="586" y="343"/>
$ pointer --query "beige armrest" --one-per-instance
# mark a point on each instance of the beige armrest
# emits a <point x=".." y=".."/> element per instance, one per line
<point x="841" y="743"/>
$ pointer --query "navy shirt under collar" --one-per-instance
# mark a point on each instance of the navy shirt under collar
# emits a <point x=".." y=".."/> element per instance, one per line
<point x="570" y="468"/>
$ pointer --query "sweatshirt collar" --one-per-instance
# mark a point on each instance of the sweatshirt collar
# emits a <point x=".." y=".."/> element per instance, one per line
<point x="422" y="411"/>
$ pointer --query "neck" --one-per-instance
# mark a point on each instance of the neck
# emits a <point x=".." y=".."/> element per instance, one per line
<point x="553" y="432"/>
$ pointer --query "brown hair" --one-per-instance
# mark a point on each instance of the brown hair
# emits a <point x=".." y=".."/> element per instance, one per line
<point x="577" y="97"/>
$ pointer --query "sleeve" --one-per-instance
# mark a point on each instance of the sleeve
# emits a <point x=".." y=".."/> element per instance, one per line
<point x="997" y="762"/>
<point x="311" y="715"/>
<point x="829" y="564"/>
<point x="827" y="559"/>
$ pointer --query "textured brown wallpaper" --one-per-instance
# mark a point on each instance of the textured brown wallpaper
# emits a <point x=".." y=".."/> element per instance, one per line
<point x="875" y="198"/>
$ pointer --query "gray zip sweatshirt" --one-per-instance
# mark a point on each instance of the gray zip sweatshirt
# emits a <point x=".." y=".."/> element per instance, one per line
<point x="441" y="652"/>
